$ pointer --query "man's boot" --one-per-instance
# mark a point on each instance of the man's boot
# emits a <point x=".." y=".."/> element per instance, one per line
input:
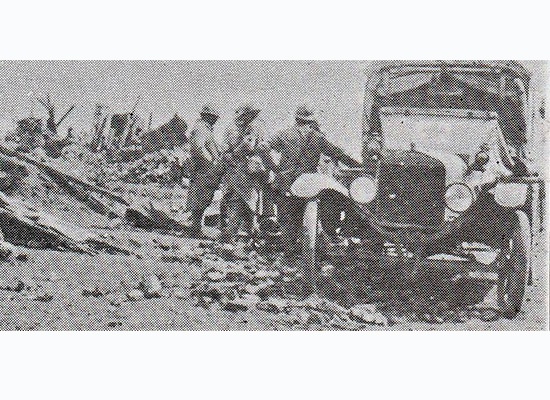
<point x="195" y="230"/>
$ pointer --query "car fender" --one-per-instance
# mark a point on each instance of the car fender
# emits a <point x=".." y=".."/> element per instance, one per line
<point x="311" y="185"/>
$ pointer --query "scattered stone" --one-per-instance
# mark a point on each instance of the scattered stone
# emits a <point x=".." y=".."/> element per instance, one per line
<point x="426" y="317"/>
<point x="29" y="283"/>
<point x="257" y="288"/>
<point x="263" y="274"/>
<point x="116" y="299"/>
<point x="240" y="303"/>
<point x="41" y="296"/>
<point x="229" y="251"/>
<point x="14" y="285"/>
<point x="380" y="319"/>
<point x="197" y="253"/>
<point x="315" y="302"/>
<point x="6" y="250"/>
<point x="316" y="317"/>
<point x="362" y="314"/>
<point x="252" y="298"/>
<point x="181" y="293"/>
<point x="215" y="275"/>
<point x="216" y="290"/>
<point x="489" y="314"/>
<point x="341" y="322"/>
<point x="235" y="272"/>
<point x="207" y="299"/>
<point x="289" y="270"/>
<point x="151" y="286"/>
<point x="164" y="245"/>
<point x="114" y="324"/>
<point x="171" y="258"/>
<point x="92" y="292"/>
<point x="135" y="295"/>
<point x="327" y="270"/>
<point x="302" y="315"/>
<point x="22" y="257"/>
<point x="134" y="242"/>
<point x="225" y="250"/>
<point x="240" y="253"/>
<point x="274" y="304"/>
<point x="366" y="307"/>
<point x="448" y="315"/>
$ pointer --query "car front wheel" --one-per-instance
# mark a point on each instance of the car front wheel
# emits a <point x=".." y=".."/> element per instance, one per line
<point x="513" y="269"/>
<point x="309" y="243"/>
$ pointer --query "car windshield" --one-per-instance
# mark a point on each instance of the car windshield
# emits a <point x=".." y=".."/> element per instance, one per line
<point x="457" y="88"/>
<point x="459" y="132"/>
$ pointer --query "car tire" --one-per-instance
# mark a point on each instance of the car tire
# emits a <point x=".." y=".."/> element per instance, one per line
<point x="309" y="243"/>
<point x="514" y="267"/>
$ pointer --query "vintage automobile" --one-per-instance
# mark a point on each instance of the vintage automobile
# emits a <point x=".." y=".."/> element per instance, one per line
<point x="445" y="181"/>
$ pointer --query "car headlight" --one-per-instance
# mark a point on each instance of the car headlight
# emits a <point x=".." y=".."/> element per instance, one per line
<point x="363" y="189"/>
<point x="458" y="197"/>
<point x="511" y="194"/>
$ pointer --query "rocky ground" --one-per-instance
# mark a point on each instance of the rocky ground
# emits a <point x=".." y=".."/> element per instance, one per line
<point x="178" y="283"/>
<point x="173" y="282"/>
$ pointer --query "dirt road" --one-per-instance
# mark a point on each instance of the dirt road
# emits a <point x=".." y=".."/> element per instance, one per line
<point x="70" y="291"/>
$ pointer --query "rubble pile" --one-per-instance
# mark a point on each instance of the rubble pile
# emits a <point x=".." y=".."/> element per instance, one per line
<point x="234" y="279"/>
<point x="237" y="280"/>
<point x="148" y="287"/>
<point x="159" y="167"/>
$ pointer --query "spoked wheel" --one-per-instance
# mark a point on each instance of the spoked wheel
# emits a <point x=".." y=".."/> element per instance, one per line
<point x="309" y="243"/>
<point x="513" y="272"/>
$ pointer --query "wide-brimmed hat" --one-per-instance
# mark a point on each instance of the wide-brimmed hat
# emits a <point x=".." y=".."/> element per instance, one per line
<point x="210" y="109"/>
<point x="246" y="110"/>
<point x="303" y="113"/>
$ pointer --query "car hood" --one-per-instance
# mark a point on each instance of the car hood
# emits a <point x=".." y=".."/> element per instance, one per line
<point x="451" y="136"/>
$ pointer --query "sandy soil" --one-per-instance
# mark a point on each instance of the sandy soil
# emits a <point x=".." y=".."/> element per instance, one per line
<point x="64" y="276"/>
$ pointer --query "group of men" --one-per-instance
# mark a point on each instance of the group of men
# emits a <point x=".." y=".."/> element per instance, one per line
<point x="248" y="173"/>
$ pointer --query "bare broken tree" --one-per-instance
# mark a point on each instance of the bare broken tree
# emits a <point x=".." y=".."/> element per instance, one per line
<point x="54" y="144"/>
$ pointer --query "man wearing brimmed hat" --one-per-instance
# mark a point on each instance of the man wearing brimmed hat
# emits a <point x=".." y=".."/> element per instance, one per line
<point x="204" y="166"/>
<point x="245" y="173"/>
<point x="300" y="147"/>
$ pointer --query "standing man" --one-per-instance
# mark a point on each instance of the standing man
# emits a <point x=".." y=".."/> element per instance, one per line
<point x="245" y="173"/>
<point x="204" y="166"/>
<point x="300" y="147"/>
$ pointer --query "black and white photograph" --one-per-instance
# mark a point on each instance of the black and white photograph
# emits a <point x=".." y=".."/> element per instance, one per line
<point x="273" y="195"/>
<point x="274" y="200"/>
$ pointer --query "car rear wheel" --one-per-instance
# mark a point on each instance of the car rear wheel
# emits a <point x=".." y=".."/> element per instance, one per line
<point x="309" y="243"/>
<point x="513" y="271"/>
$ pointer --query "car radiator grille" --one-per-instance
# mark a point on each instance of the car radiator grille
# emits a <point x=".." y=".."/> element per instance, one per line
<point x="411" y="189"/>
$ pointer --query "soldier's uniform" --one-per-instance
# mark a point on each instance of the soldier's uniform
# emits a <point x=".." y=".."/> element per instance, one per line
<point x="300" y="150"/>
<point x="204" y="166"/>
<point x="245" y="173"/>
